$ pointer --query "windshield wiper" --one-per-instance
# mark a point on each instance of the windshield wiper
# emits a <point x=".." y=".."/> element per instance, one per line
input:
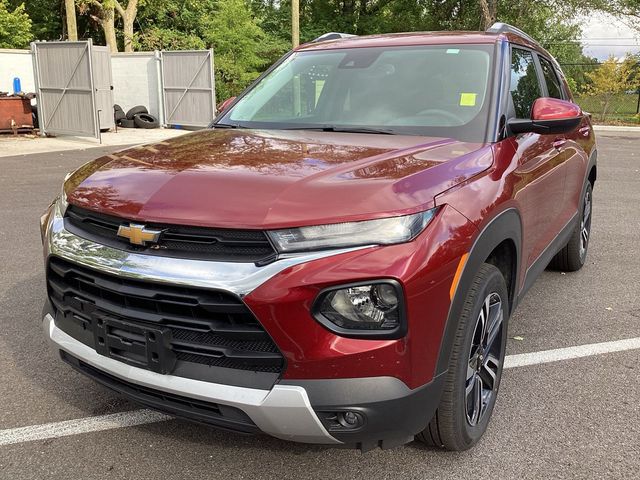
<point x="334" y="128"/>
<point x="227" y="125"/>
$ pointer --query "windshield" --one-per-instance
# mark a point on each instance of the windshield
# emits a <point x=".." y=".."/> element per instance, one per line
<point x="439" y="90"/>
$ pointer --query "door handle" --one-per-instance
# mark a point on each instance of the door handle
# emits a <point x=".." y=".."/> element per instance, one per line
<point x="584" y="131"/>
<point x="559" y="143"/>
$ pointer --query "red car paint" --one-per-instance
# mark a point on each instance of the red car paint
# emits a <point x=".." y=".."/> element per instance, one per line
<point x="276" y="179"/>
<point x="425" y="267"/>
<point x="553" y="109"/>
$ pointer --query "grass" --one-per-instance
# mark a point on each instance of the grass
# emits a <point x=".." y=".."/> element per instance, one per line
<point x="622" y="109"/>
<point x="621" y="104"/>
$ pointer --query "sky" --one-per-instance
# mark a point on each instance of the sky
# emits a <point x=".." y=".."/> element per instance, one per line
<point x="604" y="35"/>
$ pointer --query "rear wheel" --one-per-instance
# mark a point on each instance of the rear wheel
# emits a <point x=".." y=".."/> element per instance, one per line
<point x="574" y="254"/>
<point x="475" y="367"/>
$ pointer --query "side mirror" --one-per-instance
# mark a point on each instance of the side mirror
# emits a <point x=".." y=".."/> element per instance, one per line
<point x="222" y="106"/>
<point x="549" y="116"/>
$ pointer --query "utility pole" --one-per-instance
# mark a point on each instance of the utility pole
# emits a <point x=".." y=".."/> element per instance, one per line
<point x="295" y="23"/>
<point x="72" y="28"/>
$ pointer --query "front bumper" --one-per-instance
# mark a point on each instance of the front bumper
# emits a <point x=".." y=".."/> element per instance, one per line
<point x="284" y="411"/>
<point x="392" y="413"/>
<point x="390" y="383"/>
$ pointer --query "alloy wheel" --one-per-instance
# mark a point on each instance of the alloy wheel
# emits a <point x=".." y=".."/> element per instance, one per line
<point x="485" y="359"/>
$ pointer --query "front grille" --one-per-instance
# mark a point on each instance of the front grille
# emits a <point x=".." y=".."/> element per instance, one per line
<point x="219" y="415"/>
<point x="178" y="241"/>
<point x="205" y="328"/>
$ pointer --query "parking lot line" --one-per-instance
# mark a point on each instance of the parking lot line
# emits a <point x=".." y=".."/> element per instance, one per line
<point x="80" y="425"/>
<point x="140" y="417"/>
<point x="546" y="356"/>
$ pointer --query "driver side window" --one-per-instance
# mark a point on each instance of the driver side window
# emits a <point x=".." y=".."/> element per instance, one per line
<point x="525" y="87"/>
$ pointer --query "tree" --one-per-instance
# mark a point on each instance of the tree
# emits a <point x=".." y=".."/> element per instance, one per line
<point x="105" y="16"/>
<point x="72" y="27"/>
<point x="241" y="47"/>
<point x="128" y="15"/>
<point x="106" y="10"/>
<point x="613" y="78"/>
<point x="45" y="17"/>
<point x="489" y="12"/>
<point x="15" y="26"/>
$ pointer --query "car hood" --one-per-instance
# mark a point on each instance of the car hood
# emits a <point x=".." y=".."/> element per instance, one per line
<point x="274" y="179"/>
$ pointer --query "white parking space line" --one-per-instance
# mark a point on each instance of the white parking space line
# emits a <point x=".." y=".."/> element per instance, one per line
<point x="80" y="425"/>
<point x="140" y="417"/>
<point x="546" y="356"/>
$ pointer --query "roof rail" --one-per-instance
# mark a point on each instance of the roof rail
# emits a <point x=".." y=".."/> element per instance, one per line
<point x="500" y="27"/>
<point x="332" y="36"/>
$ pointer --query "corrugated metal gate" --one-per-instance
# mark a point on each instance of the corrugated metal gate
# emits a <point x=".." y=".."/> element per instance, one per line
<point x="64" y="88"/>
<point x="188" y="87"/>
<point x="103" y="86"/>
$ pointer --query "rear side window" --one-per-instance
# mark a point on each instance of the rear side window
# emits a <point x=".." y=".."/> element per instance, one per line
<point x="550" y="78"/>
<point x="525" y="88"/>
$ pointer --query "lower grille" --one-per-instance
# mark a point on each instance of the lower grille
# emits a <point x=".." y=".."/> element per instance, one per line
<point x="205" y="334"/>
<point x="221" y="416"/>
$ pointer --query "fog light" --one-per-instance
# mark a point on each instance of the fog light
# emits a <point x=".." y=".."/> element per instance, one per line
<point x="350" y="418"/>
<point x="373" y="309"/>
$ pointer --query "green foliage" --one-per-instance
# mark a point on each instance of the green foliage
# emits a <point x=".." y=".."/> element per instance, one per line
<point x="46" y="16"/>
<point x="613" y="79"/>
<point x="15" y="26"/>
<point x="242" y="49"/>
<point x="160" y="38"/>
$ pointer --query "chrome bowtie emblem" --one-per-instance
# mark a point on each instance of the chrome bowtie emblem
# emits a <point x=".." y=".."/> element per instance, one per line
<point x="139" y="234"/>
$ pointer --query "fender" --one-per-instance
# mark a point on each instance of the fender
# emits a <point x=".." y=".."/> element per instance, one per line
<point x="507" y="225"/>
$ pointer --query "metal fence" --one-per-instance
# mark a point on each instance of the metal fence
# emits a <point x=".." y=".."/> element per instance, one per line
<point x="620" y="107"/>
<point x="65" y="89"/>
<point x="188" y="87"/>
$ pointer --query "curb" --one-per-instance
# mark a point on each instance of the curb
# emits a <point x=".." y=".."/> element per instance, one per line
<point x="615" y="128"/>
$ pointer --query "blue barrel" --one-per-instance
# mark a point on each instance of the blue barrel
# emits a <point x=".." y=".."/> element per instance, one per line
<point x="17" y="88"/>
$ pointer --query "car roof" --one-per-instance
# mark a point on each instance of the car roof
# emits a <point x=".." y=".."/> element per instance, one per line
<point x="419" y="38"/>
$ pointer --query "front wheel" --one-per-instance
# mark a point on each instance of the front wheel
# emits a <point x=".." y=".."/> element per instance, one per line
<point x="475" y="367"/>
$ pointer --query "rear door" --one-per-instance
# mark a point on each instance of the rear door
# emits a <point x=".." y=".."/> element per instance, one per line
<point x="540" y="160"/>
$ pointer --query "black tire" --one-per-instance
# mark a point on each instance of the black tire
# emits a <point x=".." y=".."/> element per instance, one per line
<point x="573" y="255"/>
<point x="135" y="110"/>
<point x="118" y="115"/>
<point x="451" y="426"/>
<point x="145" y="120"/>
<point x="125" y="123"/>
<point x="117" y="108"/>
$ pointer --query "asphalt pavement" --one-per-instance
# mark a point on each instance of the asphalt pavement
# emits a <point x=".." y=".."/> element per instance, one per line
<point x="576" y="418"/>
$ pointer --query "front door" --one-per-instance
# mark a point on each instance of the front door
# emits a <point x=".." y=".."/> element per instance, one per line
<point x="540" y="162"/>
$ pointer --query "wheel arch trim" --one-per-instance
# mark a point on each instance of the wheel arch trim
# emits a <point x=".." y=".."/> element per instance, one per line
<point x="506" y="225"/>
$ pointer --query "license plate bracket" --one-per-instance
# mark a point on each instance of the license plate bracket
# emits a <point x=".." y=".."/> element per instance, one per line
<point x="141" y="346"/>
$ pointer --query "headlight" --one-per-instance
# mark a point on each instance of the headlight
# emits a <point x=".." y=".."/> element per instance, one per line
<point x="63" y="201"/>
<point x="363" y="310"/>
<point x="384" y="231"/>
<point x="44" y="220"/>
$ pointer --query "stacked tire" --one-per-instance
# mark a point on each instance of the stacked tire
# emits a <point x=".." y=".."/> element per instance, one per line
<point x="136" y="117"/>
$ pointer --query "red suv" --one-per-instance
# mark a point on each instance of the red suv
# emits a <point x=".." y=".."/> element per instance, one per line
<point x="336" y="259"/>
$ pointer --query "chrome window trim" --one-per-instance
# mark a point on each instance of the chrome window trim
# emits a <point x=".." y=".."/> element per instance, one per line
<point x="238" y="278"/>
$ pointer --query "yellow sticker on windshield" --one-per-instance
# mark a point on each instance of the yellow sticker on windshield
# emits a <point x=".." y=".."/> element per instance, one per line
<point x="468" y="99"/>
